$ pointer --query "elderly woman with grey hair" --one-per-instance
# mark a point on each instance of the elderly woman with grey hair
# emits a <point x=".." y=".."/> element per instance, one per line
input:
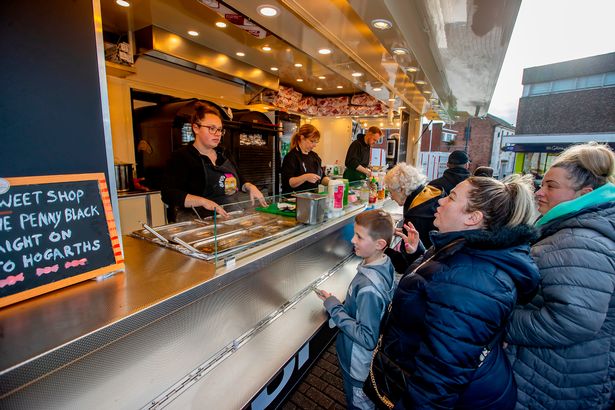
<point x="408" y="187"/>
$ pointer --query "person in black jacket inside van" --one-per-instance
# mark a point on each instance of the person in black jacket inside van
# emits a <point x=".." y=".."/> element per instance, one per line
<point x="200" y="178"/>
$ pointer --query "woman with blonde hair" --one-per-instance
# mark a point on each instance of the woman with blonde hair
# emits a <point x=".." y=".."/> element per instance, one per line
<point x="440" y="344"/>
<point x="301" y="168"/>
<point x="562" y="344"/>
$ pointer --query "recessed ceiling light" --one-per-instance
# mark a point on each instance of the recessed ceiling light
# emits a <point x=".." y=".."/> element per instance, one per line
<point x="357" y="74"/>
<point x="299" y="80"/>
<point x="240" y="54"/>
<point x="340" y="86"/>
<point x="193" y="33"/>
<point x="321" y="77"/>
<point x="391" y="99"/>
<point x="412" y="69"/>
<point x="324" y="51"/>
<point x="426" y="92"/>
<point x="122" y="3"/>
<point x="266" y="48"/>
<point x="337" y="116"/>
<point x="420" y="82"/>
<point x="399" y="51"/>
<point x="319" y="88"/>
<point x="274" y="68"/>
<point x="220" y="24"/>
<point x="402" y="107"/>
<point x="382" y="124"/>
<point x="377" y="89"/>
<point x="382" y="24"/>
<point x="268" y="10"/>
<point x="298" y="65"/>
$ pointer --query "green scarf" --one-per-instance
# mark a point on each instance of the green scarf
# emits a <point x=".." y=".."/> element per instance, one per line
<point x="605" y="193"/>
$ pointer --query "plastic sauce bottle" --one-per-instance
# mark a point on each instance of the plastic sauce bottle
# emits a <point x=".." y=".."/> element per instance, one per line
<point x="373" y="191"/>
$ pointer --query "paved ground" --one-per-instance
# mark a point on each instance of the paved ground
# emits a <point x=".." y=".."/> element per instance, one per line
<point x="321" y="388"/>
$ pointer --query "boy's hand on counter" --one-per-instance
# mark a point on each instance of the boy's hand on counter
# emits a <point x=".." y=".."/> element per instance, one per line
<point x="322" y="294"/>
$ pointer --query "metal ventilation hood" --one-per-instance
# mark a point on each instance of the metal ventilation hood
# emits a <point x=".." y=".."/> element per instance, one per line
<point x="164" y="45"/>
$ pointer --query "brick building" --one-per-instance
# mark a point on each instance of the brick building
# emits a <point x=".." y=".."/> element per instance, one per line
<point x="483" y="145"/>
<point x="562" y="104"/>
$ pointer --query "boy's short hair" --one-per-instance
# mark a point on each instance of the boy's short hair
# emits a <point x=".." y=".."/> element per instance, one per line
<point x="379" y="224"/>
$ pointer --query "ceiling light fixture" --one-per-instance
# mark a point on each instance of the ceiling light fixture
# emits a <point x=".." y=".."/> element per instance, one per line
<point x="299" y="80"/>
<point x="298" y="65"/>
<point x="391" y="99"/>
<point x="382" y="24"/>
<point x="319" y="88"/>
<point x="193" y="33"/>
<point x="412" y="69"/>
<point x="220" y="24"/>
<point x="274" y="68"/>
<point x="122" y="3"/>
<point x="426" y="92"/>
<point x="357" y="74"/>
<point x="377" y="89"/>
<point x="324" y="51"/>
<point x="268" y="10"/>
<point x="399" y="51"/>
<point x="420" y="82"/>
<point x="321" y="77"/>
<point x="240" y="54"/>
<point x="340" y="86"/>
<point x="266" y="48"/>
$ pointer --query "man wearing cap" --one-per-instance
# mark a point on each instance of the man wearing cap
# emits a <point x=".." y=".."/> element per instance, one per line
<point x="358" y="155"/>
<point x="457" y="171"/>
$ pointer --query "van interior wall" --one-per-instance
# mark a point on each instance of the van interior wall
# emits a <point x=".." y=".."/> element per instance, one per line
<point x="335" y="138"/>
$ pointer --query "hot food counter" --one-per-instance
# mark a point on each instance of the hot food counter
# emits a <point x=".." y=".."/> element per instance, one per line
<point x="179" y="331"/>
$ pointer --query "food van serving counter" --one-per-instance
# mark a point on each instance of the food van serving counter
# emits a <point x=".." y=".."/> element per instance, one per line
<point x="175" y="330"/>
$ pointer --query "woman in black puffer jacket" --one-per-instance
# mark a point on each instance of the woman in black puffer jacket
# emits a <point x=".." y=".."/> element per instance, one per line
<point x="450" y="309"/>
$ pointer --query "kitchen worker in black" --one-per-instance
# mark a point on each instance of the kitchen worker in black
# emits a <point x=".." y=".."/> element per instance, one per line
<point x="358" y="155"/>
<point x="301" y="168"/>
<point x="199" y="178"/>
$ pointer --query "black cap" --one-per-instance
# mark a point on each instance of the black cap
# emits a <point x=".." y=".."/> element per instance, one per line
<point x="458" y="158"/>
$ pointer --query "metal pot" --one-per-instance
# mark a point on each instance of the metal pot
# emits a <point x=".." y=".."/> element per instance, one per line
<point x="311" y="208"/>
<point x="123" y="177"/>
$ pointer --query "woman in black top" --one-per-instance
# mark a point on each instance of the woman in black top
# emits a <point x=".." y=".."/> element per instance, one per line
<point x="301" y="168"/>
<point x="199" y="176"/>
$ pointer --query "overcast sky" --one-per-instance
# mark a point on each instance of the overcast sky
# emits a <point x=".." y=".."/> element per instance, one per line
<point x="550" y="31"/>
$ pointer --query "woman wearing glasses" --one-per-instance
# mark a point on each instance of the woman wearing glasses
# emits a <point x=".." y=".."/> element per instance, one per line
<point x="301" y="168"/>
<point x="199" y="178"/>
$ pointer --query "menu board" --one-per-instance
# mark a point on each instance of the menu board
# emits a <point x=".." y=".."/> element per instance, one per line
<point x="54" y="231"/>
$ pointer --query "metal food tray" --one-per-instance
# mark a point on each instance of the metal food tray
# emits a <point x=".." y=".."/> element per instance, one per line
<point x="196" y="238"/>
<point x="206" y="232"/>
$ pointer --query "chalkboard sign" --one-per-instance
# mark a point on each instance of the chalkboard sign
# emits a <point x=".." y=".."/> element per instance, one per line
<point x="54" y="231"/>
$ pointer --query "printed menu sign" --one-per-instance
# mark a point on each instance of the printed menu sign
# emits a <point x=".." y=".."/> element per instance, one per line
<point x="54" y="231"/>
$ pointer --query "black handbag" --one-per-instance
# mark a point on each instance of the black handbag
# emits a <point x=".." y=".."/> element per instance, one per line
<point x="390" y="376"/>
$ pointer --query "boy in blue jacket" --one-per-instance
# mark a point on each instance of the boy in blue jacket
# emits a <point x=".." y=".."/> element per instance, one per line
<point x="369" y="294"/>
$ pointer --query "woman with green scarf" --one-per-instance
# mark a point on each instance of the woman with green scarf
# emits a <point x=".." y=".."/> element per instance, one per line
<point x="562" y="344"/>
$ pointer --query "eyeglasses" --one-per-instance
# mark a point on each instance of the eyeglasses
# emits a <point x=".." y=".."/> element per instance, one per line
<point x="213" y="129"/>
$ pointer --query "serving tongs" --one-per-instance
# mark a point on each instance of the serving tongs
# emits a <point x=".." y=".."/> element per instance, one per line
<point x="185" y="245"/>
<point x="153" y="232"/>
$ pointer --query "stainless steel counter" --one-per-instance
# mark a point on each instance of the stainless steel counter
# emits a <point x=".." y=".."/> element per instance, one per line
<point x="124" y="341"/>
